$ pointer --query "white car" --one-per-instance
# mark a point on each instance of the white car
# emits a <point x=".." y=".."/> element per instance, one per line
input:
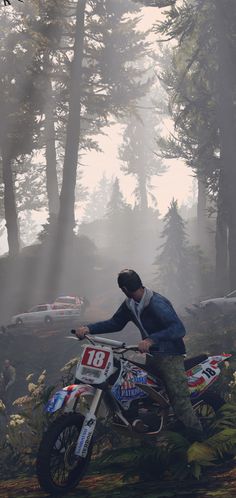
<point x="68" y="302"/>
<point x="45" y="313"/>
<point x="226" y="304"/>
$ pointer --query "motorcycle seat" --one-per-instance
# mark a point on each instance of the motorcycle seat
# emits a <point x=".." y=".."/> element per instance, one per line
<point x="192" y="362"/>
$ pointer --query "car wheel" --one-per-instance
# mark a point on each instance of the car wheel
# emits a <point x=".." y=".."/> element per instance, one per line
<point x="19" y="322"/>
<point x="48" y="320"/>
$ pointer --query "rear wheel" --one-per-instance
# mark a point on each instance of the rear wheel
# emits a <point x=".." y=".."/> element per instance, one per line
<point x="58" y="469"/>
<point x="206" y="411"/>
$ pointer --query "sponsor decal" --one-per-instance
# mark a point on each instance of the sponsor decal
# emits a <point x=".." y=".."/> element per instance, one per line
<point x="85" y="436"/>
<point x="201" y="376"/>
<point x="56" y="401"/>
<point x="125" y="389"/>
<point x="61" y="398"/>
<point x="107" y="369"/>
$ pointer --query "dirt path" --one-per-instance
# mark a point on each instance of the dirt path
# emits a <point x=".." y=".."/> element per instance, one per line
<point x="218" y="484"/>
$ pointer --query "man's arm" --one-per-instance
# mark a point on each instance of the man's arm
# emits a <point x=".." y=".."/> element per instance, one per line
<point x="114" y="324"/>
<point x="173" y="328"/>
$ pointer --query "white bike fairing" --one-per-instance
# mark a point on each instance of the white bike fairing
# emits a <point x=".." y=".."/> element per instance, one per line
<point x="68" y="396"/>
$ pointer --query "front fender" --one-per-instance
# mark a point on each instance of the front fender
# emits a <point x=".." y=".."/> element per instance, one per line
<point x="67" y="397"/>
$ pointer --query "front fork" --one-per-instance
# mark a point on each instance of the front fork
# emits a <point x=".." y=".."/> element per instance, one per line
<point x="88" y="426"/>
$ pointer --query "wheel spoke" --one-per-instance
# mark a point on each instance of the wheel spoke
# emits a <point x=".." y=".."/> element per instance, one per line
<point x="206" y="413"/>
<point x="60" y="468"/>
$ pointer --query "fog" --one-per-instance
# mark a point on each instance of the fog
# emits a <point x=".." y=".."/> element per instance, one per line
<point x="65" y="81"/>
<point x="117" y="151"/>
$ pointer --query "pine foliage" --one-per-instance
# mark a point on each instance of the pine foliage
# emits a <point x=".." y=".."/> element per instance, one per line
<point x="173" y="266"/>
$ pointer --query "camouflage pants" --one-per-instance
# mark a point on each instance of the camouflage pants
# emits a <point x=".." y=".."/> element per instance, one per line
<point x="171" y="370"/>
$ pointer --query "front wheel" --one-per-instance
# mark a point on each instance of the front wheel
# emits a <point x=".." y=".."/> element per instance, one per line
<point x="58" y="469"/>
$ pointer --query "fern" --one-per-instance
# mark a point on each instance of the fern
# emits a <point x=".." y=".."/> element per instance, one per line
<point x="121" y="455"/>
<point x="148" y="462"/>
<point x="223" y="442"/>
<point x="175" y="441"/>
<point x="225" y="417"/>
<point x="196" y="470"/>
<point x="201" y="453"/>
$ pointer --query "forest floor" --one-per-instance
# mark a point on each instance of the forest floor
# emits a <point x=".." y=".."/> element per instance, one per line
<point x="220" y="483"/>
<point x="50" y="350"/>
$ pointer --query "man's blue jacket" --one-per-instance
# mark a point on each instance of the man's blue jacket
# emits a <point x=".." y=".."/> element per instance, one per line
<point x="158" y="320"/>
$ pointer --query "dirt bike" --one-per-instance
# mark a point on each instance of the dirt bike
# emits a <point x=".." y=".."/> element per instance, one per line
<point x="119" y="390"/>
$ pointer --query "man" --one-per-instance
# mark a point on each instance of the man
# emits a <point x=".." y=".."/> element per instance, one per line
<point x="8" y="379"/>
<point x="159" y="325"/>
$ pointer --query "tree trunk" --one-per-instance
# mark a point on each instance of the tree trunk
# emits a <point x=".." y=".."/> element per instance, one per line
<point x="142" y="185"/>
<point x="221" y="241"/>
<point x="201" y="213"/>
<point x="66" y="218"/>
<point x="67" y="197"/>
<point x="10" y="206"/>
<point x="50" y="153"/>
<point x="227" y="132"/>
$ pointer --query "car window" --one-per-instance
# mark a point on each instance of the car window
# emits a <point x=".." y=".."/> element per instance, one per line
<point x="232" y="294"/>
<point x="69" y="300"/>
<point x="59" y="306"/>
<point x="42" y="308"/>
<point x="38" y="308"/>
<point x="32" y="310"/>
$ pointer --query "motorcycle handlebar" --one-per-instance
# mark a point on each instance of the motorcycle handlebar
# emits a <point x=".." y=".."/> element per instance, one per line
<point x="102" y="340"/>
<point x="115" y="344"/>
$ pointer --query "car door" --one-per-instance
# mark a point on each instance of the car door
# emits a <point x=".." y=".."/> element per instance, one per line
<point x="31" y="316"/>
<point x="37" y="313"/>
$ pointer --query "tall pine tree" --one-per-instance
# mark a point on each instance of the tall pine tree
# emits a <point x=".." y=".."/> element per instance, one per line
<point x="173" y="274"/>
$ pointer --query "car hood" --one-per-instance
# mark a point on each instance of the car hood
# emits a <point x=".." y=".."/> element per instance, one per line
<point x="214" y="300"/>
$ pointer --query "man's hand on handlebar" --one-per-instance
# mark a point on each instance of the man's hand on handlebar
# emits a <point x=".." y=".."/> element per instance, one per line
<point x="144" y="345"/>
<point x="81" y="332"/>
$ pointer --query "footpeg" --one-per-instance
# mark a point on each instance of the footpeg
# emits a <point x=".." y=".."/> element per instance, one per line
<point x="139" y="426"/>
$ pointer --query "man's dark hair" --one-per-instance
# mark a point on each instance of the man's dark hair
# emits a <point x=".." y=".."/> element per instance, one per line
<point x="130" y="280"/>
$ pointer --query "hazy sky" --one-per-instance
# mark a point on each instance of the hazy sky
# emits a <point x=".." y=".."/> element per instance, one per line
<point x="178" y="180"/>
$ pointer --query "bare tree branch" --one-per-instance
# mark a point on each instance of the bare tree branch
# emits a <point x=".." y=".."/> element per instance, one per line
<point x="157" y="3"/>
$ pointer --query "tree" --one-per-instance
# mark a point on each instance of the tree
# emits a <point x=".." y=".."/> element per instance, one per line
<point x="45" y="24"/>
<point x="225" y="17"/>
<point x="67" y="196"/>
<point x="19" y="102"/>
<point x="95" y="91"/>
<point x="181" y="268"/>
<point x="138" y="153"/>
<point x="193" y="111"/>
<point x="120" y="224"/>
<point x="96" y="207"/>
<point x="202" y="84"/>
<point x="171" y="274"/>
<point x="103" y="88"/>
<point x="116" y="204"/>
